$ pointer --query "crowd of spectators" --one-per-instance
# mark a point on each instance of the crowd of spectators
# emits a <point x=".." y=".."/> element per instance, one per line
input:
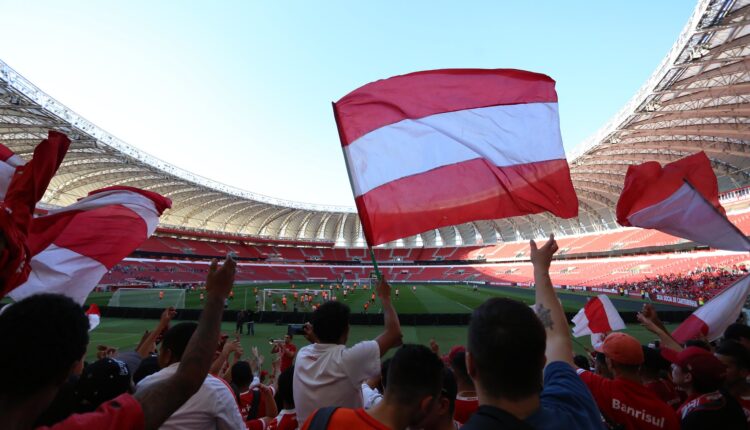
<point x="699" y="284"/>
<point x="517" y="370"/>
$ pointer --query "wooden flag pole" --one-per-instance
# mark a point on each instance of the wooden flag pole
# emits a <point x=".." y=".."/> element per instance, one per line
<point x="351" y="184"/>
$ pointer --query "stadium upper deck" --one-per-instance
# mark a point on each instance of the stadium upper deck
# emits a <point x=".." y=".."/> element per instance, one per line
<point x="698" y="98"/>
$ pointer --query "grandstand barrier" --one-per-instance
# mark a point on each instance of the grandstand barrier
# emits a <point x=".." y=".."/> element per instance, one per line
<point x="355" y="318"/>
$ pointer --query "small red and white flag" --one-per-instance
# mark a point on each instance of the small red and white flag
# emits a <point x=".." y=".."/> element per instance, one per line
<point x="75" y="246"/>
<point x="443" y="147"/>
<point x="711" y="319"/>
<point x="597" y="316"/>
<point x="94" y="315"/>
<point x="681" y="199"/>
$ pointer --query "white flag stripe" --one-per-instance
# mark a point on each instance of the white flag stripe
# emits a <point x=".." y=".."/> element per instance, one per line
<point x="580" y="324"/>
<point x="499" y="134"/>
<point x="62" y="271"/>
<point x="614" y="318"/>
<point x="688" y="215"/>
<point x="94" y="321"/>
<point x="723" y="310"/>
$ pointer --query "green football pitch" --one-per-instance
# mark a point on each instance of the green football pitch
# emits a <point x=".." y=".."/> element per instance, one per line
<point x="125" y="333"/>
<point x="427" y="298"/>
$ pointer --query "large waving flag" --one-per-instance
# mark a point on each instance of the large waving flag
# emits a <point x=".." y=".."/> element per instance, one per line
<point x="711" y="319"/>
<point x="22" y="185"/>
<point x="681" y="199"/>
<point x="598" y="316"/>
<point x="444" y="147"/>
<point x="74" y="247"/>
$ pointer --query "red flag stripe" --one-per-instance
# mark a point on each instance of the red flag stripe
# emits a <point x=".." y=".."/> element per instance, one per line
<point x="692" y="328"/>
<point x="649" y="184"/>
<point x="416" y="146"/>
<point x="462" y="192"/>
<point x="715" y="316"/>
<point x="385" y="102"/>
<point x="597" y="316"/>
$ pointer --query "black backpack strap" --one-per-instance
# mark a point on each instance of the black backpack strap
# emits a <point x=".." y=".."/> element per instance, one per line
<point x="253" y="413"/>
<point x="321" y="418"/>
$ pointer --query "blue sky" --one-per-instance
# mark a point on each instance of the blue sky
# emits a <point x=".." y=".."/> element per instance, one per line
<point x="240" y="91"/>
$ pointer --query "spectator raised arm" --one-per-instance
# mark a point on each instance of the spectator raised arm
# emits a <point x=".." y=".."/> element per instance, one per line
<point x="391" y="336"/>
<point x="162" y="399"/>
<point x="548" y="307"/>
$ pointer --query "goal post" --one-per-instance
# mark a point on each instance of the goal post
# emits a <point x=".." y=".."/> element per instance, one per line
<point x="159" y="298"/>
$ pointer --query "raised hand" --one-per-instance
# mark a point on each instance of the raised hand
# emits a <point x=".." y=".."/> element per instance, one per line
<point x="383" y="289"/>
<point x="167" y="316"/>
<point x="221" y="279"/>
<point x="542" y="257"/>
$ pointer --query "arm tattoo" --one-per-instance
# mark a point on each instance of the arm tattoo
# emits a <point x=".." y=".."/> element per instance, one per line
<point x="545" y="316"/>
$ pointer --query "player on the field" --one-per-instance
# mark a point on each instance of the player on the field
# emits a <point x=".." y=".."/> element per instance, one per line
<point x="372" y="298"/>
<point x="476" y="288"/>
<point x="345" y="293"/>
<point x="201" y="297"/>
<point x="366" y="305"/>
<point x="396" y="292"/>
<point x="414" y="288"/>
<point x="161" y="295"/>
<point x="283" y="301"/>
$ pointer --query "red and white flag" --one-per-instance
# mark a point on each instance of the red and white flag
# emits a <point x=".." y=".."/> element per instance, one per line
<point x="681" y="199"/>
<point x="22" y="185"/>
<point x="711" y="319"/>
<point x="74" y="247"/>
<point x="443" y="147"/>
<point x="94" y="315"/>
<point x="597" y="317"/>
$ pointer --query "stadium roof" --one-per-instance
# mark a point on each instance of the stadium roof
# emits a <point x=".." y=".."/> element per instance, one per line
<point x="698" y="98"/>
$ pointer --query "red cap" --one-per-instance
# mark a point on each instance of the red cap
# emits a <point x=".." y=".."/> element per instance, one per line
<point x="702" y="364"/>
<point x="622" y="348"/>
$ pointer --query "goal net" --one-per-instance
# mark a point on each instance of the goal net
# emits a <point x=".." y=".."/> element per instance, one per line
<point x="148" y="298"/>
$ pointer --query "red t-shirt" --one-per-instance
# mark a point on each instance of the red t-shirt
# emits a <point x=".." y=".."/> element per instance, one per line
<point x="246" y="404"/>
<point x="123" y="412"/>
<point x="629" y="403"/>
<point x="286" y="362"/>
<point x="465" y="407"/>
<point x="666" y="391"/>
<point x="286" y="420"/>
<point x="350" y="419"/>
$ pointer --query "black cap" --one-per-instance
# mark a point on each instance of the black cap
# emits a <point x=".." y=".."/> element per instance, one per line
<point x="101" y="381"/>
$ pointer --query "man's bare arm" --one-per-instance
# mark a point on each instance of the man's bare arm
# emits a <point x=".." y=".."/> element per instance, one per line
<point x="160" y="400"/>
<point x="147" y="346"/>
<point x="548" y="307"/>
<point x="391" y="336"/>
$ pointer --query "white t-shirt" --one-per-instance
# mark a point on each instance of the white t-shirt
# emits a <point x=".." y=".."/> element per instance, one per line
<point x="327" y="374"/>
<point x="212" y="407"/>
<point x="370" y="396"/>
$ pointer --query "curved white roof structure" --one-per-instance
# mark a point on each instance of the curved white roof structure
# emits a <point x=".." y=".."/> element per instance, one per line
<point x="698" y="98"/>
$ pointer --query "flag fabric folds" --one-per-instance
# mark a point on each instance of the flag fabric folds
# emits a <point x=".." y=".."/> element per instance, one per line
<point x="443" y="147"/>
<point x="9" y="161"/>
<point x="681" y="199"/>
<point x="75" y="246"/>
<point x="22" y="185"/>
<point x="94" y="315"/>
<point x="711" y="319"/>
<point x="598" y="316"/>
